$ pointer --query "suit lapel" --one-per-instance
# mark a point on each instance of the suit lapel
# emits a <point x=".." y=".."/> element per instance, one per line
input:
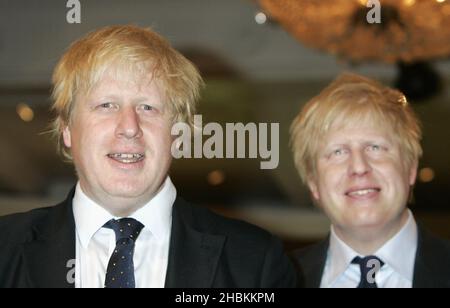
<point x="193" y="255"/>
<point x="312" y="263"/>
<point x="49" y="258"/>
<point x="422" y="275"/>
<point x="318" y="259"/>
<point x="430" y="269"/>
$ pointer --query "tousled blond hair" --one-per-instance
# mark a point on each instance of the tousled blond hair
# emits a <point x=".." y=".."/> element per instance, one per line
<point x="353" y="99"/>
<point x="136" y="50"/>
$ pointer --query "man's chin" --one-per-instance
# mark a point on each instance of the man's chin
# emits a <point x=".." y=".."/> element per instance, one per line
<point x="126" y="193"/>
<point x="118" y="187"/>
<point x="129" y="191"/>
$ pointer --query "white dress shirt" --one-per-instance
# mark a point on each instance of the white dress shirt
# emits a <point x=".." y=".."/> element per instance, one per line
<point x="95" y="244"/>
<point x="398" y="254"/>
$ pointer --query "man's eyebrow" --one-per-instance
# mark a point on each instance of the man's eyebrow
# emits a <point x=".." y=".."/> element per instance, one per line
<point x="144" y="99"/>
<point x="333" y="144"/>
<point x="369" y="140"/>
<point x="93" y="97"/>
<point x="378" y="139"/>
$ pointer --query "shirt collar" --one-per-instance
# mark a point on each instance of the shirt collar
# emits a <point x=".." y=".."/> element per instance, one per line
<point x="156" y="215"/>
<point x="400" y="251"/>
<point x="340" y="254"/>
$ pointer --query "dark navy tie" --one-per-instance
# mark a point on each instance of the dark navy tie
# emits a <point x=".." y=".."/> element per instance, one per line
<point x="120" y="271"/>
<point x="369" y="266"/>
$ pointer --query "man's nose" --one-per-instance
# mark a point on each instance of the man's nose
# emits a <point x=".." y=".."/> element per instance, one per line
<point x="128" y="125"/>
<point x="359" y="163"/>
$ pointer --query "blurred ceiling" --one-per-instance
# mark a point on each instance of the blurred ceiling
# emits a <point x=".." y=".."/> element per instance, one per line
<point x="254" y="73"/>
<point x="34" y="34"/>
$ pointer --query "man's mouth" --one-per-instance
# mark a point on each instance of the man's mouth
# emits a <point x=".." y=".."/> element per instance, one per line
<point x="127" y="158"/>
<point x="362" y="192"/>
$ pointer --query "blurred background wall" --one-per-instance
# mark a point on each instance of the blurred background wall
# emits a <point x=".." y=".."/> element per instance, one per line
<point x="255" y="71"/>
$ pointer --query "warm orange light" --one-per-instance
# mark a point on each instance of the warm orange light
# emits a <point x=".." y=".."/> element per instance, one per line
<point x="25" y="112"/>
<point x="409" y="2"/>
<point x="363" y="2"/>
<point x="426" y="175"/>
<point x="216" y="178"/>
<point x="446" y="9"/>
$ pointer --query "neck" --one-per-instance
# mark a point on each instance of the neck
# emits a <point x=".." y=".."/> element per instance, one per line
<point x="367" y="241"/>
<point x="122" y="207"/>
<point x="119" y="206"/>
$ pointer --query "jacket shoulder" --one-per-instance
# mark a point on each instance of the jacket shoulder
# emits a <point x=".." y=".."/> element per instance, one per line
<point x="253" y="254"/>
<point x="310" y="262"/>
<point x="207" y="221"/>
<point x="312" y="253"/>
<point x="432" y="258"/>
<point x="18" y="228"/>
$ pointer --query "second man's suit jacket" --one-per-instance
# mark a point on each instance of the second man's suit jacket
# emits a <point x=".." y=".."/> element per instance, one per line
<point x="206" y="250"/>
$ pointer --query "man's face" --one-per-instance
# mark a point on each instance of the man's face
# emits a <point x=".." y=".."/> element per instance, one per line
<point x="120" y="141"/>
<point x="362" y="181"/>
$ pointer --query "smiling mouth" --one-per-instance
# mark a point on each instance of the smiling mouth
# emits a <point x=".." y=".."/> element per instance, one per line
<point x="127" y="158"/>
<point x="362" y="192"/>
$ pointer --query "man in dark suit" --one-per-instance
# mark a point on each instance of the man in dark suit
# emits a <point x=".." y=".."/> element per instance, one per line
<point x="117" y="93"/>
<point x="357" y="145"/>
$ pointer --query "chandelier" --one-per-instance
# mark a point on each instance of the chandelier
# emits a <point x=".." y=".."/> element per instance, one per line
<point x="408" y="30"/>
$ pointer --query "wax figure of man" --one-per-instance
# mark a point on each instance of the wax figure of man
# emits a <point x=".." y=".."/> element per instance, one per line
<point x="356" y="146"/>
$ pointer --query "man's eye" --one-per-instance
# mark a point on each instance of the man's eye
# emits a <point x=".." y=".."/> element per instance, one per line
<point x="374" y="148"/>
<point x="106" y="105"/>
<point x="335" y="153"/>
<point x="146" y="107"/>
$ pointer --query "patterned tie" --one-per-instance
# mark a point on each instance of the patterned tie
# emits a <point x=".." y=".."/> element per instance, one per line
<point x="369" y="266"/>
<point x="120" y="271"/>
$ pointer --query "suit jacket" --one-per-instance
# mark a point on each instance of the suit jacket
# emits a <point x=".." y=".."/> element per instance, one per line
<point x="431" y="268"/>
<point x="206" y="250"/>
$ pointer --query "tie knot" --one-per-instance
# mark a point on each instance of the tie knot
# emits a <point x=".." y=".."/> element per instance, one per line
<point x="125" y="228"/>
<point x="368" y="263"/>
<point x="369" y="266"/>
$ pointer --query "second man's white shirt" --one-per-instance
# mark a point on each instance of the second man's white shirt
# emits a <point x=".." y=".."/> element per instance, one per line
<point x="398" y="254"/>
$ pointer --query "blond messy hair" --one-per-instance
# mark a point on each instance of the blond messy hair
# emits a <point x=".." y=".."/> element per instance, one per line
<point x="353" y="99"/>
<point x="139" y="51"/>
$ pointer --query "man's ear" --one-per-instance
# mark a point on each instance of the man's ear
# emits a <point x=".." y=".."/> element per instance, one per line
<point x="413" y="173"/>
<point x="313" y="188"/>
<point x="67" y="137"/>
